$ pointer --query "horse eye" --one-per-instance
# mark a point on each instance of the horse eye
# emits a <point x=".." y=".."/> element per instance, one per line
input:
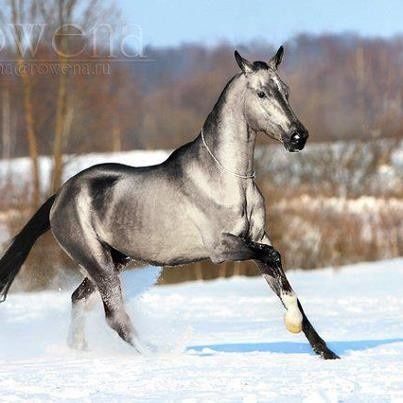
<point x="261" y="94"/>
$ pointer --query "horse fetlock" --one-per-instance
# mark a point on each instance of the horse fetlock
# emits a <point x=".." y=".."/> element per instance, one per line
<point x="120" y="322"/>
<point x="293" y="316"/>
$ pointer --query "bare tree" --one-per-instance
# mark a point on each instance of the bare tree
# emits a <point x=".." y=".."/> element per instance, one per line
<point x="64" y="13"/>
<point x="6" y="124"/>
<point x="65" y="10"/>
<point x="19" y="14"/>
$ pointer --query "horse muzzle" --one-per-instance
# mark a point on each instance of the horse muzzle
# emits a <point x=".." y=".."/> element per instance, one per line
<point x="297" y="139"/>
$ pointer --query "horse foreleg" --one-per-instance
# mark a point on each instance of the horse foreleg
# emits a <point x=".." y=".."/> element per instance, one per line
<point x="231" y="247"/>
<point x="295" y="320"/>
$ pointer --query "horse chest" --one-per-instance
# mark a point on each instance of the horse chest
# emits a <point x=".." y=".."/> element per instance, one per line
<point x="229" y="214"/>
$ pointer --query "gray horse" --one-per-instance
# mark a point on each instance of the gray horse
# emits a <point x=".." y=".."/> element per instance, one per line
<point x="201" y="203"/>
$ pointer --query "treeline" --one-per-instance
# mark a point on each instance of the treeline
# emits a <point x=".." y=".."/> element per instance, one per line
<point x="343" y="87"/>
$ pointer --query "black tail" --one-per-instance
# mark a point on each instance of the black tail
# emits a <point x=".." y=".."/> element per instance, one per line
<point x="21" y="245"/>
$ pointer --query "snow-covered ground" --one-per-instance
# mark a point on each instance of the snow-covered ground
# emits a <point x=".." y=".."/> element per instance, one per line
<point x="222" y="340"/>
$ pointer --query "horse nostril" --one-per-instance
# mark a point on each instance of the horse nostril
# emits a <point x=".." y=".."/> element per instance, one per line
<point x="296" y="136"/>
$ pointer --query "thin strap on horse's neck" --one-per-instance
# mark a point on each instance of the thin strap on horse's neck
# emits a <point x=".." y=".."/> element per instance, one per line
<point x="250" y="176"/>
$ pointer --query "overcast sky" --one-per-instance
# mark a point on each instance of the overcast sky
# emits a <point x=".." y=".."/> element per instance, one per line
<point x="170" y="22"/>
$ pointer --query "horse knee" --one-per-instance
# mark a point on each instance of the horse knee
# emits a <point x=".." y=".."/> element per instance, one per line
<point x="272" y="255"/>
<point x="272" y="258"/>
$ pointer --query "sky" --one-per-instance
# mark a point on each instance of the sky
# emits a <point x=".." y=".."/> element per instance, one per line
<point x="172" y="22"/>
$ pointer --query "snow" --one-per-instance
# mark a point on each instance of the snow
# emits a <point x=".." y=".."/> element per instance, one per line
<point x="15" y="170"/>
<point x="368" y="205"/>
<point x="222" y="340"/>
<point x="288" y="168"/>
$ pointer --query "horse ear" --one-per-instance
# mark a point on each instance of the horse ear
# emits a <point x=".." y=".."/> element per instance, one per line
<point x="245" y="65"/>
<point x="275" y="61"/>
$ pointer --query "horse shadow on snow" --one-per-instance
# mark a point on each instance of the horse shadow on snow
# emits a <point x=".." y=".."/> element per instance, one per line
<point x="341" y="347"/>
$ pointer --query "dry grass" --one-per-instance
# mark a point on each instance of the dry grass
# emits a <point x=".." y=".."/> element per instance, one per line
<point x="320" y="220"/>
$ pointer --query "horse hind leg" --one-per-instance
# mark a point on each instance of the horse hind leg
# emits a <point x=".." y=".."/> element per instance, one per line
<point x="96" y="258"/>
<point x="81" y="304"/>
<point x="80" y="301"/>
<point x="106" y="278"/>
<point x="115" y="313"/>
<point x="109" y="286"/>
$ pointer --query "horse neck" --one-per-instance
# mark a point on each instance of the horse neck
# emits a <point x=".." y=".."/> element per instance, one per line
<point x="226" y="131"/>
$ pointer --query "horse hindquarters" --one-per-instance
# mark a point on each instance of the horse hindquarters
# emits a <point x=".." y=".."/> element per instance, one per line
<point x="71" y="226"/>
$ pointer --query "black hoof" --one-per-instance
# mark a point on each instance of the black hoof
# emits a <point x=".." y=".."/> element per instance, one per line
<point x="326" y="354"/>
